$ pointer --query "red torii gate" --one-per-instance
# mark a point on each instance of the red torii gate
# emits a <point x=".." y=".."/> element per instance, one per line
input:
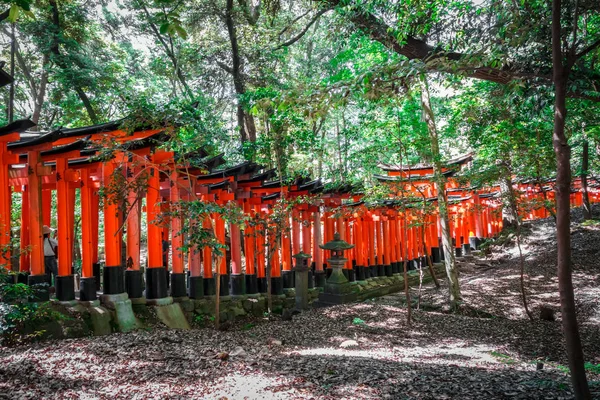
<point x="385" y="234"/>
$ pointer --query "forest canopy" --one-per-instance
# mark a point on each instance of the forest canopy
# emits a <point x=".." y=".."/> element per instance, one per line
<point x="321" y="88"/>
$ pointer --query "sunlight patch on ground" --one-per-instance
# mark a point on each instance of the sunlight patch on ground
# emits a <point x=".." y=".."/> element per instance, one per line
<point x="458" y="353"/>
<point x="250" y="387"/>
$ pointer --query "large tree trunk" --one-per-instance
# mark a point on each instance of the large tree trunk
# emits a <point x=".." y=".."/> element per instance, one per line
<point x="563" y="216"/>
<point x="585" y="155"/>
<point x="245" y="120"/>
<point x="449" y="260"/>
<point x="54" y="48"/>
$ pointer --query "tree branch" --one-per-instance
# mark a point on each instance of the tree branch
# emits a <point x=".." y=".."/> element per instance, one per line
<point x="225" y="67"/>
<point x="572" y="57"/>
<point x="169" y="50"/>
<point x="281" y="32"/>
<point x="303" y="31"/>
<point x="588" y="49"/>
<point x="22" y="64"/>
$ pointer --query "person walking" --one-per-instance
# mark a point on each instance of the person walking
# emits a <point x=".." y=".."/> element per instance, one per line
<point x="50" y="254"/>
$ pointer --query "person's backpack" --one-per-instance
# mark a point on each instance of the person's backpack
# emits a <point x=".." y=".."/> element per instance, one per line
<point x="54" y="249"/>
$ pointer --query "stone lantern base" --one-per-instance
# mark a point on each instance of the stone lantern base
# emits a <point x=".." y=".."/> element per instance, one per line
<point x="337" y="290"/>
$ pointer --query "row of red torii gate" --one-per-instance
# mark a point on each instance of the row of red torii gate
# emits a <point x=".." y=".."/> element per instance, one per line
<point x="66" y="161"/>
<point x="74" y="164"/>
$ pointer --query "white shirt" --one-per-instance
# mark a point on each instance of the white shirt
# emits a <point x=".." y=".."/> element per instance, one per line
<point x="49" y="243"/>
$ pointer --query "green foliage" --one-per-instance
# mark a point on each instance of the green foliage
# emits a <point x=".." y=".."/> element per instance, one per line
<point x="20" y="319"/>
<point x="593" y="368"/>
<point x="203" y="320"/>
<point x="248" y="326"/>
<point x="333" y="104"/>
<point x="504" y="358"/>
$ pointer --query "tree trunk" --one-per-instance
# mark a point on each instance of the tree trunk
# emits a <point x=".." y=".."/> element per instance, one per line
<point x="585" y="154"/>
<point x="245" y="121"/>
<point x="406" y="286"/>
<point x="522" y="278"/>
<point x="54" y="48"/>
<point x="217" y="298"/>
<point x="88" y="104"/>
<point x="39" y="99"/>
<point x="563" y="216"/>
<point x="510" y="215"/>
<point x="170" y="53"/>
<point x="449" y="260"/>
<point x="11" y="95"/>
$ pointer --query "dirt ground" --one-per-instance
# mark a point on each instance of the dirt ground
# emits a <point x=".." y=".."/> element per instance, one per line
<point x="361" y="351"/>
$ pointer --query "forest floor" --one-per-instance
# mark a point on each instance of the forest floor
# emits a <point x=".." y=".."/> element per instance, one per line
<point x="361" y="351"/>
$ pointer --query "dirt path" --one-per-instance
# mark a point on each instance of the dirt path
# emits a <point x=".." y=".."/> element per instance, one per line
<point x="360" y="351"/>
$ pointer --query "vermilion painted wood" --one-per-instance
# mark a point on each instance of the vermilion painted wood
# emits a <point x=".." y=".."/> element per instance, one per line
<point x="35" y="213"/>
<point x="220" y="233"/>
<point x="236" y="254"/>
<point x="155" y="259"/>
<point x="24" y="262"/>
<point x="206" y="251"/>
<point x="134" y="227"/>
<point x="286" y="249"/>
<point x="95" y="210"/>
<point x="112" y="235"/>
<point x="317" y="252"/>
<point x="46" y="211"/>
<point x="177" y="238"/>
<point x="64" y="219"/>
<point x="87" y="218"/>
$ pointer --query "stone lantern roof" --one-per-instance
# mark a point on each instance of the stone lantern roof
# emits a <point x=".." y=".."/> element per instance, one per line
<point x="337" y="244"/>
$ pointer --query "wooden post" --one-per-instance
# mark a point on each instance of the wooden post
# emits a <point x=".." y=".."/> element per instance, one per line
<point x="87" y="216"/>
<point x="5" y="199"/>
<point x="154" y="231"/>
<point x="379" y="240"/>
<point x="296" y="231"/>
<point x="286" y="246"/>
<point x="386" y="241"/>
<point x="35" y="213"/>
<point x="306" y="240"/>
<point x="371" y="232"/>
<point x="134" y="227"/>
<point x="318" y="253"/>
<point x="393" y="239"/>
<point x="64" y="218"/>
<point x="24" y="263"/>
<point x="207" y="251"/>
<point x="112" y="237"/>
<point x="47" y="211"/>
<point x="177" y="238"/>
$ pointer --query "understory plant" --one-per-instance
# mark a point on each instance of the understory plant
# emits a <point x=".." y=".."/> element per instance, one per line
<point x="21" y="318"/>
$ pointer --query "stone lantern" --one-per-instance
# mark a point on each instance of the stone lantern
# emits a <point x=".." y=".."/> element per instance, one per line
<point x="301" y="280"/>
<point x="338" y="289"/>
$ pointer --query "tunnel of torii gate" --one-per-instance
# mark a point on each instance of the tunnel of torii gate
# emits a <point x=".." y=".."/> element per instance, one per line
<point x="66" y="161"/>
<point x="384" y="234"/>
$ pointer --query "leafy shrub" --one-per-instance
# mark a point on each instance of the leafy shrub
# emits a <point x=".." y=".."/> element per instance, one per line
<point x="22" y="321"/>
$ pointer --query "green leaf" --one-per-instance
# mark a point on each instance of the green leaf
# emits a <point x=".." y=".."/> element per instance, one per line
<point x="181" y="32"/>
<point x="13" y="14"/>
<point x="164" y="28"/>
